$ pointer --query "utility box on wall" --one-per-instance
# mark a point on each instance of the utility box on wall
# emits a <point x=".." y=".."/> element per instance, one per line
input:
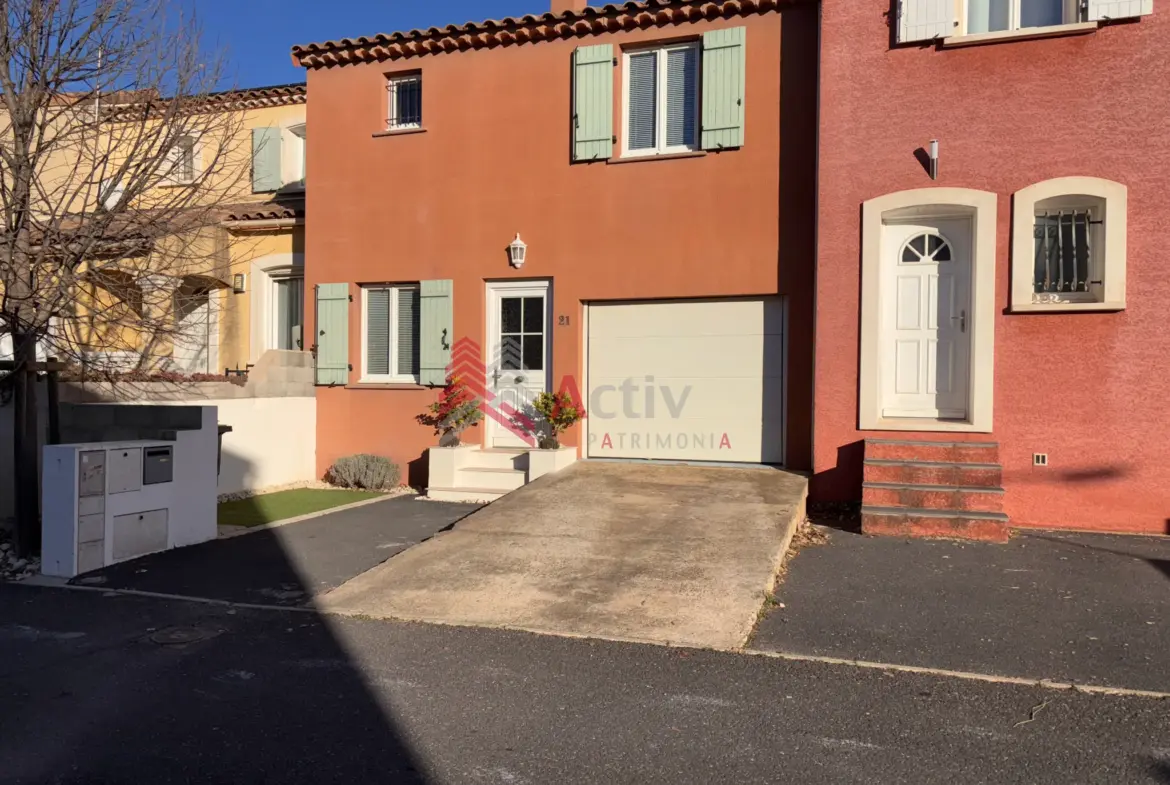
<point x="108" y="502"/>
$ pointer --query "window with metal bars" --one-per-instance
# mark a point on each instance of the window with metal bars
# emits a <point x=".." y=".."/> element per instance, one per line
<point x="403" y="102"/>
<point x="1065" y="240"/>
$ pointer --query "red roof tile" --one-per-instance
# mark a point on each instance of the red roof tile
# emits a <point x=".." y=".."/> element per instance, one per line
<point x="528" y="28"/>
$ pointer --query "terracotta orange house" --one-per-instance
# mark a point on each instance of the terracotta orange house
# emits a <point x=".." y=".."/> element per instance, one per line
<point x="991" y="341"/>
<point x="651" y="160"/>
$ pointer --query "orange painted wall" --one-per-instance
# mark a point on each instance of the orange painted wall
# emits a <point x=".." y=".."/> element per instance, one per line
<point x="494" y="160"/>
<point x="1091" y="390"/>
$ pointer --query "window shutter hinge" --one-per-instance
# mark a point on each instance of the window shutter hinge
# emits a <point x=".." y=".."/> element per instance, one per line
<point x="613" y="139"/>
<point x="739" y="102"/>
<point x="350" y="366"/>
<point x="351" y="298"/>
<point x="615" y="62"/>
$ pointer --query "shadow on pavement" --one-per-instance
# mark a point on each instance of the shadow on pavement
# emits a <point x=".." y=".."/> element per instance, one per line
<point x="100" y="687"/>
<point x="286" y="565"/>
<point x="115" y="689"/>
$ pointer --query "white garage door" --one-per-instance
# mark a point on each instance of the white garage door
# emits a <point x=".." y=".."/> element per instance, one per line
<point x="695" y="380"/>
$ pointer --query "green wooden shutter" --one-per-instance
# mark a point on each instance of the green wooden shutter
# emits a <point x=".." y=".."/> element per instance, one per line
<point x="724" y="75"/>
<point x="265" y="160"/>
<point x="593" y="103"/>
<point x="436" y="331"/>
<point x="332" y="333"/>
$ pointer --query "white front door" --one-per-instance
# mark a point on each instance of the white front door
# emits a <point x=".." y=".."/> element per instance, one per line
<point x="926" y="318"/>
<point x="194" y="323"/>
<point x="519" y="355"/>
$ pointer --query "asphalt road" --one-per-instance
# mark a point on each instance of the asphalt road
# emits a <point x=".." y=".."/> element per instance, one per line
<point x="1084" y="608"/>
<point x="109" y="689"/>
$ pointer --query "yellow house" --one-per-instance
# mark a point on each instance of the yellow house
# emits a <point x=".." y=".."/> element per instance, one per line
<point x="263" y="308"/>
<point x="229" y="290"/>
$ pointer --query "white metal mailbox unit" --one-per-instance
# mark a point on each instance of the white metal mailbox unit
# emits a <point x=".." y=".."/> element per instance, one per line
<point x="108" y="502"/>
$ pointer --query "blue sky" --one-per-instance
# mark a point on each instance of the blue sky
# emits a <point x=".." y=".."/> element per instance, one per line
<point x="259" y="33"/>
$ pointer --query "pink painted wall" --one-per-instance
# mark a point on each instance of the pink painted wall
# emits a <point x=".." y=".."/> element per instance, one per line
<point x="1091" y="390"/>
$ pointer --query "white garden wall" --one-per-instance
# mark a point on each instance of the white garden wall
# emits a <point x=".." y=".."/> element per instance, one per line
<point x="273" y="441"/>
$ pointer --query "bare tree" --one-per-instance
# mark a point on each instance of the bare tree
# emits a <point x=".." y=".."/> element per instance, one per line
<point x="117" y="156"/>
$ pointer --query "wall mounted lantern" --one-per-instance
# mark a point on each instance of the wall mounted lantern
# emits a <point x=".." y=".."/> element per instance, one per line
<point x="518" y="252"/>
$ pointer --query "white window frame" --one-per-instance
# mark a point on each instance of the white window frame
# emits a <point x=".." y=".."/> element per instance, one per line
<point x="292" y="155"/>
<point x="661" y="148"/>
<point x="1070" y="16"/>
<point x="1108" y="202"/>
<point x="275" y="276"/>
<point x="173" y="156"/>
<point x="393" y="82"/>
<point x="392" y="377"/>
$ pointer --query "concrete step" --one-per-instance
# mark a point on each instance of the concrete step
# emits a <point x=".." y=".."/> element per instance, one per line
<point x="911" y="522"/>
<point x="499" y="480"/>
<point x="937" y="452"/>
<point x="497" y="459"/>
<point x="961" y="475"/>
<point x="464" y="494"/>
<point x="932" y="497"/>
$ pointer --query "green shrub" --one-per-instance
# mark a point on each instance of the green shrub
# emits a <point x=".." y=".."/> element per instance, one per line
<point x="370" y="472"/>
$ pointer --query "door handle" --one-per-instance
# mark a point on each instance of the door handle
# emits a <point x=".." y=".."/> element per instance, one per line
<point x="519" y="380"/>
<point x="496" y="376"/>
<point x="962" y="319"/>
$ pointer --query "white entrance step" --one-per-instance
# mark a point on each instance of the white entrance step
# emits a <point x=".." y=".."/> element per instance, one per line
<point x="470" y="473"/>
<point x="497" y="479"/>
<point x="463" y="494"/>
<point x="501" y="459"/>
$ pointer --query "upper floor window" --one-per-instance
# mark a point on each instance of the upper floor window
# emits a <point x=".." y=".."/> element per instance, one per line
<point x="293" y="154"/>
<point x="989" y="16"/>
<point x="662" y="100"/>
<point x="181" y="159"/>
<point x="403" y="102"/>
<point x="966" y="22"/>
<point x="278" y="158"/>
<point x="1069" y="245"/>
<point x="675" y="97"/>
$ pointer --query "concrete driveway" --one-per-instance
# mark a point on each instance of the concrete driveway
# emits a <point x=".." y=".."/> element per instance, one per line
<point x="660" y="553"/>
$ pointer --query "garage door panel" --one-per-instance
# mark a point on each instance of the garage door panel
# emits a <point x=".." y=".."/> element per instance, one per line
<point x="740" y="356"/>
<point x="678" y="319"/>
<point x="717" y="383"/>
<point x="689" y="397"/>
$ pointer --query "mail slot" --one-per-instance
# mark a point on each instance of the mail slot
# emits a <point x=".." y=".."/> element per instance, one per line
<point x="158" y="465"/>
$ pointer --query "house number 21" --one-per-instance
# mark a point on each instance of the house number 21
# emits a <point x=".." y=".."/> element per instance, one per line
<point x="563" y="321"/>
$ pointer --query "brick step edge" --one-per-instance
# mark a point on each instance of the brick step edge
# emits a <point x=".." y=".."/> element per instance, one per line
<point x="965" y="475"/>
<point x="954" y="498"/>
<point x="913" y="443"/>
<point x="950" y="452"/>
<point x="917" y="522"/>
<point x="932" y="464"/>
<point x="900" y="486"/>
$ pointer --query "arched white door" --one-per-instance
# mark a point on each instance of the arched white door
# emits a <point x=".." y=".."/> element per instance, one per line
<point x="926" y="314"/>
